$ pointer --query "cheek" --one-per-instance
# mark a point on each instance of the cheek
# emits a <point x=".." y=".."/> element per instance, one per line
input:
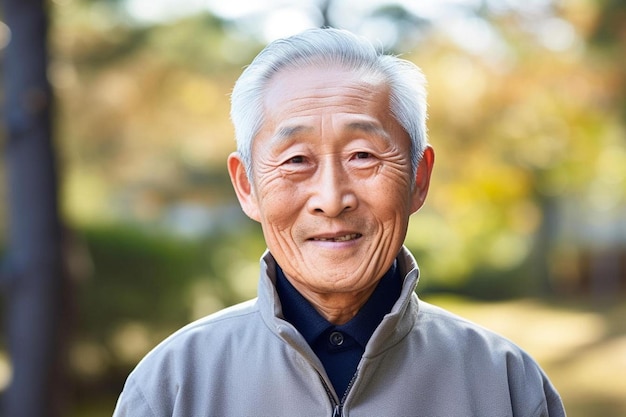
<point x="279" y="204"/>
<point x="390" y="194"/>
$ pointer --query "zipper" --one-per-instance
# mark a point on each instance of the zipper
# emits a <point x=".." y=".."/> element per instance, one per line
<point x="338" y="406"/>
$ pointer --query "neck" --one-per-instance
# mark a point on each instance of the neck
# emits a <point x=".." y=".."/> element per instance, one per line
<point x="337" y="308"/>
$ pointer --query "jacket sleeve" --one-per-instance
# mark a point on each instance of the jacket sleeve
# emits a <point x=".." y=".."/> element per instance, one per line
<point x="551" y="406"/>
<point x="553" y="401"/>
<point x="132" y="402"/>
<point x="532" y="393"/>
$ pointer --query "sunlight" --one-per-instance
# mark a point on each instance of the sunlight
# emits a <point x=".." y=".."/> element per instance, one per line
<point x="273" y="19"/>
<point x="88" y="358"/>
<point x="131" y="341"/>
<point x="234" y="9"/>
<point x="604" y="362"/>
<point x="204" y="298"/>
<point x="155" y="11"/>
<point x="474" y="35"/>
<point x="286" y="22"/>
<point x="5" y="35"/>
<point x="556" y="34"/>
<point x="6" y="371"/>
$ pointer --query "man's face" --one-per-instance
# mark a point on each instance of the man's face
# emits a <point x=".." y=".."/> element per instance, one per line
<point x="332" y="185"/>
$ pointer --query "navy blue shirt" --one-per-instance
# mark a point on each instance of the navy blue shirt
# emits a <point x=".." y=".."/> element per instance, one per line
<point x="339" y="348"/>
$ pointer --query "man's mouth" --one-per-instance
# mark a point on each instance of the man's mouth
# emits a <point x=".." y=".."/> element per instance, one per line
<point x="343" y="238"/>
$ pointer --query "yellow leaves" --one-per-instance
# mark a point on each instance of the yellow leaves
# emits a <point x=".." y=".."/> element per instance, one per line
<point x="84" y="196"/>
<point x="457" y="85"/>
<point x="199" y="96"/>
<point x="480" y="212"/>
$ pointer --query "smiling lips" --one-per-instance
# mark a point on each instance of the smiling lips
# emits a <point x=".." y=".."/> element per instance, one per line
<point x="343" y="238"/>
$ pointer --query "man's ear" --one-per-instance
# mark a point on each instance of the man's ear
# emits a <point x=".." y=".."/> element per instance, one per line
<point x="243" y="187"/>
<point x="422" y="179"/>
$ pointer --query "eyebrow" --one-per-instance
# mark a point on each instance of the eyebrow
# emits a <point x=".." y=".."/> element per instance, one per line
<point x="367" y="127"/>
<point x="287" y="132"/>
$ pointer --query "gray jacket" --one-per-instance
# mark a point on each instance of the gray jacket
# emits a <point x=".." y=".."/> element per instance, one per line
<point x="421" y="361"/>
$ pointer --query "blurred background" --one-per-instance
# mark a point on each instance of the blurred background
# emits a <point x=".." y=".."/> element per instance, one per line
<point x="118" y="223"/>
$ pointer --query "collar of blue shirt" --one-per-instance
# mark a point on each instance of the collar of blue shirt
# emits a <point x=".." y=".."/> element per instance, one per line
<point x="303" y="316"/>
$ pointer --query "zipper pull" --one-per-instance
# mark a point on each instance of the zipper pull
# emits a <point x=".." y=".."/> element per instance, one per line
<point x="338" y="411"/>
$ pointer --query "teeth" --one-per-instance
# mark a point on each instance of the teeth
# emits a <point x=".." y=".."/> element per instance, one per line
<point x="339" y="238"/>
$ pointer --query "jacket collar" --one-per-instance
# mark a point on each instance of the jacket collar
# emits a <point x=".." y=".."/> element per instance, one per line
<point x="395" y="326"/>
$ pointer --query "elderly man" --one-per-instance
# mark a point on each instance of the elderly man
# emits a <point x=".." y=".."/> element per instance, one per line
<point x="332" y="159"/>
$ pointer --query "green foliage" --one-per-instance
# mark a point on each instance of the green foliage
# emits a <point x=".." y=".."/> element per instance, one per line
<point x="137" y="276"/>
<point x="609" y="40"/>
<point x="150" y="279"/>
<point x="608" y="32"/>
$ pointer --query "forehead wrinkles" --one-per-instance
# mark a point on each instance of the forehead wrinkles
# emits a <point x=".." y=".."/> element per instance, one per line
<point x="345" y="126"/>
<point x="357" y="98"/>
<point x="295" y="99"/>
<point x="314" y="82"/>
<point x="350" y="110"/>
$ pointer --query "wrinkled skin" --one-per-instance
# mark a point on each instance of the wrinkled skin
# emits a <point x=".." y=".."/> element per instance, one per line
<point x="331" y="184"/>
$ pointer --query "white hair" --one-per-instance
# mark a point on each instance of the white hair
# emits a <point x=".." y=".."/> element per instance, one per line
<point x="407" y="92"/>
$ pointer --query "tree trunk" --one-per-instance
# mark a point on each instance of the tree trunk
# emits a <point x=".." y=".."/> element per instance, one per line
<point x="324" y="10"/>
<point x="35" y="283"/>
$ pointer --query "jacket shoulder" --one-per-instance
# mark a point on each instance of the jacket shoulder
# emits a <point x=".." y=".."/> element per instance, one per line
<point x="436" y="318"/>
<point x="199" y="341"/>
<point x="213" y="325"/>
<point x="483" y="352"/>
<point x="176" y="362"/>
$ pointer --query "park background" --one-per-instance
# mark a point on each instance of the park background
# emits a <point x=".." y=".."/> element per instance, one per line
<point x="524" y="230"/>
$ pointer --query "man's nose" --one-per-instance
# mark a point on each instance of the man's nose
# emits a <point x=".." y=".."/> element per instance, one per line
<point x="332" y="191"/>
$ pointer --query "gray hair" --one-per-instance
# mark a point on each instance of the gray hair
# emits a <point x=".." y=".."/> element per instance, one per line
<point x="407" y="92"/>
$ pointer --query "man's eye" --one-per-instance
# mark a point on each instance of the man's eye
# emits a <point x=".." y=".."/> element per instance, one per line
<point x="296" y="160"/>
<point x="362" y="155"/>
